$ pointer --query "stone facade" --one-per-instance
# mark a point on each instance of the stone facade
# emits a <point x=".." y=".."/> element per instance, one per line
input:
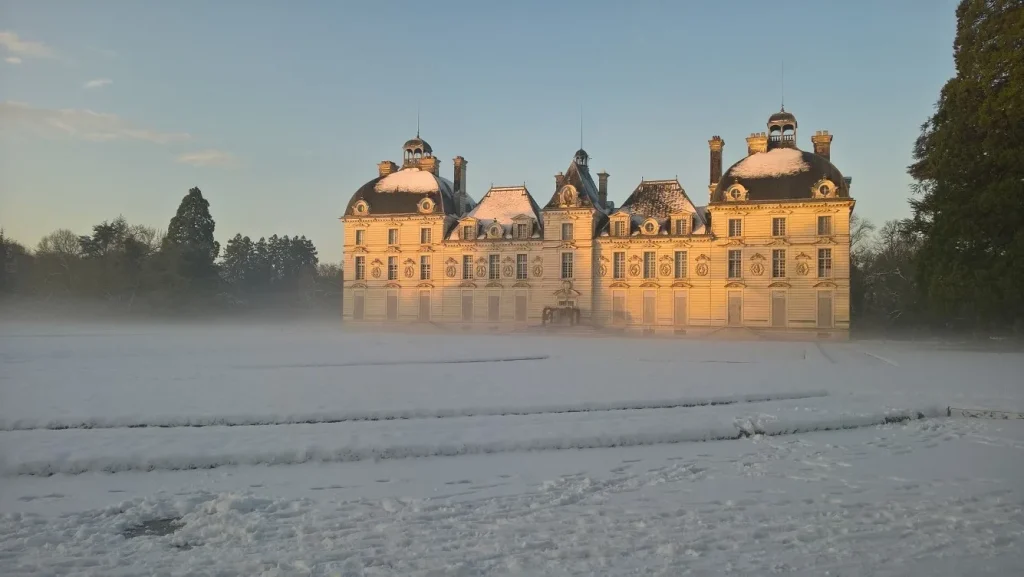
<point x="769" y="252"/>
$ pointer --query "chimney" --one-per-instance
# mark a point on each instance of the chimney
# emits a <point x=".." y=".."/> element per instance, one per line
<point x="822" y="142"/>
<point x="460" y="183"/>
<point x="559" y="178"/>
<point x="716" y="144"/>
<point x="602" y="189"/>
<point x="430" y="164"/>
<point x="386" y="167"/>
<point x="757" y="142"/>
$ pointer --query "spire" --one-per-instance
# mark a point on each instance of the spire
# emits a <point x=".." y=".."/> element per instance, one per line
<point x="417" y="120"/>
<point x="783" y="77"/>
<point x="581" y="126"/>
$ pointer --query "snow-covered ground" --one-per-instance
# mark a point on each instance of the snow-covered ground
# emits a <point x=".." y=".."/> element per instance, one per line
<point x="306" y="450"/>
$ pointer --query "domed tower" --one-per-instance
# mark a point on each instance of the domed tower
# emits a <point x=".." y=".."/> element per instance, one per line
<point x="582" y="158"/>
<point x="782" y="130"/>
<point x="417" y="153"/>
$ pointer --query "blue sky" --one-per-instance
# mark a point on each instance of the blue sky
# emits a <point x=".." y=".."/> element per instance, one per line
<point x="278" y="110"/>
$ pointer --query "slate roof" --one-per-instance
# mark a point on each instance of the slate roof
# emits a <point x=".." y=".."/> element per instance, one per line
<point x="501" y="204"/>
<point x="660" y="199"/>
<point x="780" y="174"/>
<point x="579" y="176"/>
<point x="400" y="193"/>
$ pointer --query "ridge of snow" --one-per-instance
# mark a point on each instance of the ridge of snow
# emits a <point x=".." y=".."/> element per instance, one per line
<point x="413" y="180"/>
<point x="774" y="163"/>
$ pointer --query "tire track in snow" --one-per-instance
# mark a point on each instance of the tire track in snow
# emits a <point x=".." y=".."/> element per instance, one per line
<point x="739" y="429"/>
<point x="350" y="416"/>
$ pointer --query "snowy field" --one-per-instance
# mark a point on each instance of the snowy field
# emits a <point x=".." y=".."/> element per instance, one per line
<point x="257" y="450"/>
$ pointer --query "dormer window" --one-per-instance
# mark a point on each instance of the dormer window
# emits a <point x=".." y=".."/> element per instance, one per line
<point x="619" y="228"/>
<point x="682" y="225"/>
<point x="824" y="188"/>
<point x="469" y="232"/>
<point x="361" y="208"/>
<point x="522" y="230"/>
<point x="650" y="227"/>
<point x="736" y="193"/>
<point x="495" y="231"/>
<point x="426" y="206"/>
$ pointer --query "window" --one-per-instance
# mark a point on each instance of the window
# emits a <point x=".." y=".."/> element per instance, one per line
<point x="359" y="306"/>
<point x="682" y="226"/>
<point x="735" y="227"/>
<point x="779" y="226"/>
<point x="494" y="267"/>
<point x="521" y="266"/>
<point x="360" y="237"/>
<point x="566" y="231"/>
<point x="824" y="262"/>
<point x="680" y="264"/>
<point x="620" y="228"/>
<point x="392" y="268"/>
<point x="778" y="263"/>
<point x="566" y="265"/>
<point x="360" y="267"/>
<point x="824" y="225"/>
<point x="424" y="235"/>
<point x="650" y="267"/>
<point x="522" y="230"/>
<point x="493" y="307"/>
<point x="520" y="307"/>
<point x="735" y="263"/>
<point x="392" y="236"/>
<point x="424" y="267"/>
<point x="650" y="228"/>
<point x="619" y="265"/>
<point x="467" y="266"/>
<point x="469" y="232"/>
<point x="467" y="306"/>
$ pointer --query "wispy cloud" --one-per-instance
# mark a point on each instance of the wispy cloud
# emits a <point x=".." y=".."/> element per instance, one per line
<point x="12" y="60"/>
<point x="209" y="157"/>
<point x="82" y="124"/>
<point x="28" y="48"/>
<point x="97" y="83"/>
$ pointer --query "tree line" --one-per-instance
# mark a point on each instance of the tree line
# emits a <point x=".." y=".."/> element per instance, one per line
<point x="132" y="266"/>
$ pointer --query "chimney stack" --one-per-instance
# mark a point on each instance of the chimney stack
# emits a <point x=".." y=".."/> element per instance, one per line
<point x="602" y="189"/>
<point x="460" y="183"/>
<point x="822" y="142"/>
<point x="716" y="144"/>
<point x="386" y="167"/>
<point x="559" y="179"/>
<point x="757" y="142"/>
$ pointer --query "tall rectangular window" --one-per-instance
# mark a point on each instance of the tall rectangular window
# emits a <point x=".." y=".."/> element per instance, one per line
<point x="360" y="237"/>
<point x="467" y="305"/>
<point x="566" y="231"/>
<point x="566" y="265"/>
<point x="682" y="226"/>
<point x="424" y="267"/>
<point x="620" y="228"/>
<point x="392" y="268"/>
<point x="494" y="267"/>
<point x="392" y="236"/>
<point x="619" y="306"/>
<point x="735" y="263"/>
<point x="522" y="230"/>
<point x="680" y="262"/>
<point x="824" y="262"/>
<point x="650" y="267"/>
<point x="735" y="227"/>
<point x="467" y="266"/>
<point x="824" y="225"/>
<point x="619" y="265"/>
<point x="424" y="235"/>
<point x="778" y="263"/>
<point x="521" y="266"/>
<point x="360" y="267"/>
<point x="779" y="226"/>
<point x="469" y="232"/>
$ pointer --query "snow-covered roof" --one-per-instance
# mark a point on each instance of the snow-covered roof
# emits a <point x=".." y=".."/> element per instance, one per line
<point x="414" y="180"/>
<point x="775" y="162"/>
<point x="502" y="204"/>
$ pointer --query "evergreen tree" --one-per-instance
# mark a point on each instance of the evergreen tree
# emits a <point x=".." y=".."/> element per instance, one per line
<point x="969" y="173"/>
<point x="190" y="238"/>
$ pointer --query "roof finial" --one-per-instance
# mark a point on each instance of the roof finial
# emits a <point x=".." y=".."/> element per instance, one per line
<point x="417" y="120"/>
<point x="783" y="86"/>
<point x="581" y="126"/>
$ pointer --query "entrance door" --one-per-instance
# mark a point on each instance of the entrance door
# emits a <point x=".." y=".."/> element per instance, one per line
<point x="824" y="310"/>
<point x="358" y="306"/>
<point x="649" y="307"/>
<point x="680" y="306"/>
<point x="735" y="309"/>
<point x="392" y="306"/>
<point x="424" y="306"/>
<point x="779" y="315"/>
<point x="520" y="308"/>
